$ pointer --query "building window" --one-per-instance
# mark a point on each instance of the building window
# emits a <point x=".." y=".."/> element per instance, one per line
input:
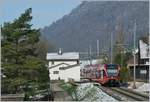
<point x="55" y="72"/>
<point x="52" y="62"/>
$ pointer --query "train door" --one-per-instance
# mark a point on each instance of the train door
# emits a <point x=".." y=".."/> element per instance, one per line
<point x="97" y="74"/>
<point x="101" y="74"/>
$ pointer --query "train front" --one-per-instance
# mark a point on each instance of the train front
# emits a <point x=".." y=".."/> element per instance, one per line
<point x="112" y="74"/>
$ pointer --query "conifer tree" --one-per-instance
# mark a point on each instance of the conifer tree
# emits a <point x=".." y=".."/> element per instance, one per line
<point x="20" y="62"/>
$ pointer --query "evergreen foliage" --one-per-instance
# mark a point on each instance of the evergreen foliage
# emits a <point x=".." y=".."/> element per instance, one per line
<point x="23" y="68"/>
<point x="124" y="74"/>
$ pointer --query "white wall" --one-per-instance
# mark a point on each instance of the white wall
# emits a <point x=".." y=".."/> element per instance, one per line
<point x="73" y="73"/>
<point x="55" y="76"/>
<point x="62" y="73"/>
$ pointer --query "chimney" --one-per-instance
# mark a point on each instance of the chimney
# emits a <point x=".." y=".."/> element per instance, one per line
<point x="60" y="52"/>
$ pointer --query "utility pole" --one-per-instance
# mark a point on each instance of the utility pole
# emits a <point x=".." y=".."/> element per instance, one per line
<point x="0" y="52"/>
<point x="111" y="36"/>
<point x="0" y="29"/>
<point x="134" y="85"/>
<point x="90" y="53"/>
<point x="97" y="48"/>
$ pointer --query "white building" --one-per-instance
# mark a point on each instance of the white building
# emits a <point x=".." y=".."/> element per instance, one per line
<point x="64" y="66"/>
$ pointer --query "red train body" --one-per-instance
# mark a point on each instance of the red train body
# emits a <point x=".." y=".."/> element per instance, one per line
<point x="102" y="73"/>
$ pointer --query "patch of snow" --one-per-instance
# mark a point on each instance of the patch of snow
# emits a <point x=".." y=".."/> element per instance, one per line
<point x="138" y="84"/>
<point x="89" y="92"/>
<point x="143" y="88"/>
<point x="140" y="87"/>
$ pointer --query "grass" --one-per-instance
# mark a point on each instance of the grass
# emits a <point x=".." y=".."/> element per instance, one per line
<point x="71" y="89"/>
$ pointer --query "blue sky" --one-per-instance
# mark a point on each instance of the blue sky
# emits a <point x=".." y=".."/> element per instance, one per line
<point x="44" y="12"/>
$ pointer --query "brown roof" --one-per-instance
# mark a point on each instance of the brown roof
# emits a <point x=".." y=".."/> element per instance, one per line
<point x="58" y="65"/>
<point x="71" y="66"/>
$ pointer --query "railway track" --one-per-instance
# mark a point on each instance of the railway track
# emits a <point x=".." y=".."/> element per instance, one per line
<point x="131" y="94"/>
<point x="123" y="94"/>
<point x="104" y="89"/>
<point x="110" y="92"/>
<point x="120" y="94"/>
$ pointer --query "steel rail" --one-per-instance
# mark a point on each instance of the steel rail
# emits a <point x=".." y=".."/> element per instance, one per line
<point x="135" y="92"/>
<point x="132" y="94"/>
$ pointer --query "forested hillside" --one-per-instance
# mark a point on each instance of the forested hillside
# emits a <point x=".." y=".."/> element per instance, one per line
<point x="93" y="20"/>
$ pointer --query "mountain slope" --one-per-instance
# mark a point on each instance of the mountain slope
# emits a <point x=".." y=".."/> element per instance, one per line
<point x="93" y="20"/>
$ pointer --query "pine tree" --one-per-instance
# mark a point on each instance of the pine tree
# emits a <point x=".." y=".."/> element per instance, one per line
<point x="20" y="62"/>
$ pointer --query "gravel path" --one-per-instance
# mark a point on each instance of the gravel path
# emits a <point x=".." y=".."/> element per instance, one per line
<point x="59" y="93"/>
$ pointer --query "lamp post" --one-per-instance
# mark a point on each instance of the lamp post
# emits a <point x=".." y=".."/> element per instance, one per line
<point x="134" y="85"/>
<point x="104" y="52"/>
<point x="97" y="48"/>
<point x="90" y="54"/>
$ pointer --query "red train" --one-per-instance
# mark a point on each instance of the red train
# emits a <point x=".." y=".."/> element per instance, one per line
<point x="102" y="73"/>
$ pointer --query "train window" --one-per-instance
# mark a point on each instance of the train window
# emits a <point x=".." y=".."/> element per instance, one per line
<point x="55" y="72"/>
<point x="112" y="72"/>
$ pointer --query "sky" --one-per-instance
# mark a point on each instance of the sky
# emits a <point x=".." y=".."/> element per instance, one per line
<point x="44" y="12"/>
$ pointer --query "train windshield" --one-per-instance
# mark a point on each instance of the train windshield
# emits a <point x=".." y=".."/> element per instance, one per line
<point x="112" y="70"/>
